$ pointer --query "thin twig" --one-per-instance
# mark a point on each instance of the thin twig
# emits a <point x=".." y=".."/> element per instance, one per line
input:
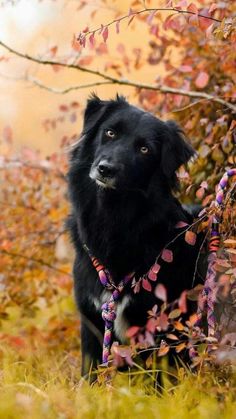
<point x="149" y="10"/>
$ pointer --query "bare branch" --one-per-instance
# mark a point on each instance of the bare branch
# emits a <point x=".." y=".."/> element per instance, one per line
<point x="162" y="89"/>
<point x="124" y="82"/>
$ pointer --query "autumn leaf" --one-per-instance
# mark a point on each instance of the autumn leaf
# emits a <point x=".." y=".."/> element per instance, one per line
<point x="202" y="80"/>
<point x="146" y="285"/>
<point x="105" y="33"/>
<point x="160" y="292"/>
<point x="132" y="331"/>
<point x="192" y="8"/>
<point x="167" y="255"/>
<point x="174" y="313"/>
<point x="180" y="347"/>
<point x="163" y="350"/>
<point x="190" y="237"/>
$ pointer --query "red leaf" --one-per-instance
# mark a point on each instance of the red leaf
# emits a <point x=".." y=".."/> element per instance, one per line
<point x="183" y="302"/>
<point x="132" y="331"/>
<point x="92" y="39"/>
<point x="156" y="267"/>
<point x="53" y="51"/>
<point x="76" y="44"/>
<point x="151" y="325"/>
<point x="105" y="34"/>
<point x="160" y="292"/>
<point x="146" y="285"/>
<point x="190" y="237"/>
<point x="167" y="255"/>
<point x="192" y="8"/>
<point x="200" y="193"/>
<point x="202" y="80"/>
<point x="163" y="322"/>
<point x="151" y="275"/>
<point x="63" y="108"/>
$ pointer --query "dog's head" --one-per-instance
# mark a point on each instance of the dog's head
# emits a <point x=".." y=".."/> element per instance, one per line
<point x="130" y="145"/>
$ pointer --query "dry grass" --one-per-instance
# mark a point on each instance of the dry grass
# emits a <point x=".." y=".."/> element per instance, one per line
<point x="47" y="385"/>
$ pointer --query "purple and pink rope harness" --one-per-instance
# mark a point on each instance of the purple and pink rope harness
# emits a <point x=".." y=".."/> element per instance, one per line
<point x="109" y="308"/>
<point x="209" y="291"/>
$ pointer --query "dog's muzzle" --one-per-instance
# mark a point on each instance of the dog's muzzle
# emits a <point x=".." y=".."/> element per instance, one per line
<point x="104" y="174"/>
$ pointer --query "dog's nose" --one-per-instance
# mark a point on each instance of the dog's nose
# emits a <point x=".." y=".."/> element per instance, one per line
<point x="106" y="169"/>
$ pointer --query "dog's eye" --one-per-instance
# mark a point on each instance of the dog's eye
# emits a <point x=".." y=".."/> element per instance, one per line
<point x="144" y="149"/>
<point x="109" y="133"/>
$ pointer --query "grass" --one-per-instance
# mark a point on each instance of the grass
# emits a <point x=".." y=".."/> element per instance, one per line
<point x="47" y="384"/>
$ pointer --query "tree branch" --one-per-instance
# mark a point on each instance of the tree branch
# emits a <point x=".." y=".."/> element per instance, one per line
<point x="149" y="10"/>
<point x="124" y="82"/>
<point x="31" y="259"/>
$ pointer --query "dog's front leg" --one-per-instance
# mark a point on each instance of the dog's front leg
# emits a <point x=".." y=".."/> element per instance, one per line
<point x="91" y="346"/>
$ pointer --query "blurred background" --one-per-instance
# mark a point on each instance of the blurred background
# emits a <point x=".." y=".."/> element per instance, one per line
<point x="45" y="29"/>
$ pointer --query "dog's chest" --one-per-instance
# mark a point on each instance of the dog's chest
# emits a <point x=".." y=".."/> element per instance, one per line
<point x="121" y="323"/>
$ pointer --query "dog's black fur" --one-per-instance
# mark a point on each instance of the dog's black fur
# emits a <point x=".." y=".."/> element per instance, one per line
<point x="121" y="178"/>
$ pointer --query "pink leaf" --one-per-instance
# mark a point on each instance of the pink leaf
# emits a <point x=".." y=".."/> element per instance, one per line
<point x="118" y="26"/>
<point x="85" y="30"/>
<point x="167" y="255"/>
<point x="151" y="275"/>
<point x="209" y="30"/>
<point x="105" y="34"/>
<point x="156" y="267"/>
<point x="190" y="237"/>
<point x="160" y="292"/>
<point x="7" y="134"/>
<point x="185" y="68"/>
<point x="150" y="17"/>
<point x="212" y="8"/>
<point x="192" y="8"/>
<point x="130" y="12"/>
<point x="146" y="285"/>
<point x="202" y="80"/>
<point x="132" y="331"/>
<point x="180" y="4"/>
<point x="181" y="224"/>
<point x="193" y="20"/>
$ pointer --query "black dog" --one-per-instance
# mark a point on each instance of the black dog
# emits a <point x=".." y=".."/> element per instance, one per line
<point x="121" y="179"/>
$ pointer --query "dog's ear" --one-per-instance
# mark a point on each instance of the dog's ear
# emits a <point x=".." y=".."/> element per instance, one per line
<point x="175" y="151"/>
<point x="94" y="111"/>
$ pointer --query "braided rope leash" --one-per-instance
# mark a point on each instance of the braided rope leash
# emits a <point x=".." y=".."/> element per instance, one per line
<point x="109" y="308"/>
<point x="209" y="292"/>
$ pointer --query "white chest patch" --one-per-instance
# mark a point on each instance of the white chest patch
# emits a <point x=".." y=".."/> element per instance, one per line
<point x="120" y="324"/>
